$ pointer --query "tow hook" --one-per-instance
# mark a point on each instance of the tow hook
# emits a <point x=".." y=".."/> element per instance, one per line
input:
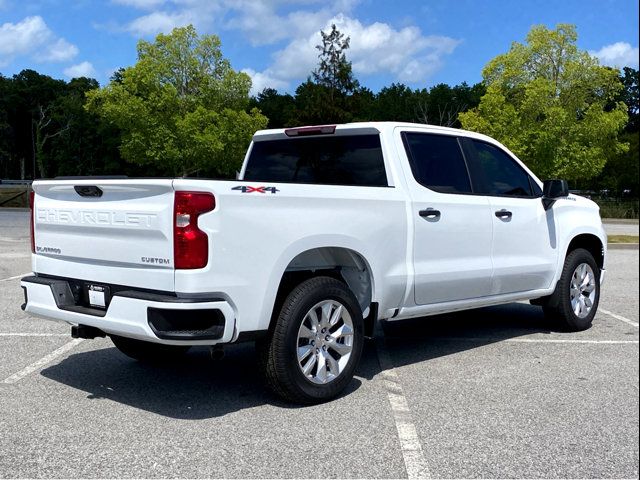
<point x="217" y="352"/>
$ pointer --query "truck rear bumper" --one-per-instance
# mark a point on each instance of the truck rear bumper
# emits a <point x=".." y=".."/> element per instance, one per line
<point x="144" y="316"/>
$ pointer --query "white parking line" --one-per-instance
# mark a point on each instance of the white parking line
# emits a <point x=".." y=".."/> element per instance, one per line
<point x="42" y="362"/>
<point x="412" y="453"/>
<point x="619" y="317"/>
<point x="34" y="334"/>
<point x="536" y="340"/>
<point x="13" y="278"/>
<point x="15" y="255"/>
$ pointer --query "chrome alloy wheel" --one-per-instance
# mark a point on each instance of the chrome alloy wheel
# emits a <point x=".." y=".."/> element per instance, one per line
<point x="583" y="290"/>
<point x="325" y="341"/>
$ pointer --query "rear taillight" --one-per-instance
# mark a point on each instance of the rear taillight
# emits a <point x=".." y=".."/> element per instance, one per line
<point x="190" y="244"/>
<point x="32" y="232"/>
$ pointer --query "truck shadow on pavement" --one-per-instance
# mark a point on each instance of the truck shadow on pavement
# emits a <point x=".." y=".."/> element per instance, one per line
<point x="426" y="338"/>
<point x="197" y="387"/>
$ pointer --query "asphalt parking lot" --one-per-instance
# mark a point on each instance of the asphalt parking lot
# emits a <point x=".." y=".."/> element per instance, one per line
<point x="495" y="392"/>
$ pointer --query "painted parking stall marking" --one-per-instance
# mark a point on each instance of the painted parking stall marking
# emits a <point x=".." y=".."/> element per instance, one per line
<point x="412" y="452"/>
<point x="20" y="334"/>
<point x="15" y="277"/>
<point x="618" y="317"/>
<point x="37" y="365"/>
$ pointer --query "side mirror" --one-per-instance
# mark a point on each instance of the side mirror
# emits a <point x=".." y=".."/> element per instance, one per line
<point x="553" y="190"/>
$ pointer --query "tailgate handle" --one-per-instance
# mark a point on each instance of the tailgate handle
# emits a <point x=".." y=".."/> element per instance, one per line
<point x="88" y="190"/>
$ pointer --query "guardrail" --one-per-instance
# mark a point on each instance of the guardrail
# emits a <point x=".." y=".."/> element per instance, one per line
<point x="15" y="182"/>
<point x="15" y="193"/>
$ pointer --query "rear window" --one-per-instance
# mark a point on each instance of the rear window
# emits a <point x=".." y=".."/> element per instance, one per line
<point x="336" y="160"/>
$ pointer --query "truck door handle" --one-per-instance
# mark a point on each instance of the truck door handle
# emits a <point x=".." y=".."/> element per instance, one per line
<point x="504" y="214"/>
<point x="430" y="213"/>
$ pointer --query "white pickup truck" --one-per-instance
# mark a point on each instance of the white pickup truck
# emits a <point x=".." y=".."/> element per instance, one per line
<point x="326" y="230"/>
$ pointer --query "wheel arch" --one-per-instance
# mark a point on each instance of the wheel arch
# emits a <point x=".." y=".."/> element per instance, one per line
<point x="590" y="242"/>
<point x="343" y="263"/>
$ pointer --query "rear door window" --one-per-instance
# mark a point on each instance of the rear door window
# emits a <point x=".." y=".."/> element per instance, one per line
<point x="437" y="162"/>
<point x="327" y="160"/>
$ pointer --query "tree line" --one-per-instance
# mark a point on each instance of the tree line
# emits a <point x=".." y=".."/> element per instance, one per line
<point x="181" y="110"/>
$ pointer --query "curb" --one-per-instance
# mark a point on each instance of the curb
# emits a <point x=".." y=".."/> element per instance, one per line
<point x="622" y="246"/>
<point x="620" y="221"/>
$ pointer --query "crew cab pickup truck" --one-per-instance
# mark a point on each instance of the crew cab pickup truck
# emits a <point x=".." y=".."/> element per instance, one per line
<point x="326" y="230"/>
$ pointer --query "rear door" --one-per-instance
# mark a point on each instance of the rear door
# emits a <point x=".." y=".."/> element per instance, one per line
<point x="112" y="231"/>
<point x="524" y="250"/>
<point x="452" y="227"/>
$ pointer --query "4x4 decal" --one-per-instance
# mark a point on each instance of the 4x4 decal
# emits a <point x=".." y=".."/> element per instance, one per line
<point x="248" y="189"/>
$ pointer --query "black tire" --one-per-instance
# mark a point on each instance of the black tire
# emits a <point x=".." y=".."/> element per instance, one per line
<point x="148" y="351"/>
<point x="558" y="306"/>
<point x="277" y="353"/>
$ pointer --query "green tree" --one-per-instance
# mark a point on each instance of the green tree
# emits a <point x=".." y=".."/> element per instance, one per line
<point x="45" y="130"/>
<point x="334" y="70"/>
<point x="395" y="103"/>
<point x="6" y="136"/>
<point x="630" y="97"/>
<point x="88" y="146"/>
<point x="327" y="96"/>
<point x="181" y="107"/>
<point x="443" y="103"/>
<point x="35" y="116"/>
<point x="553" y="105"/>
<point x="278" y="107"/>
<point x="621" y="173"/>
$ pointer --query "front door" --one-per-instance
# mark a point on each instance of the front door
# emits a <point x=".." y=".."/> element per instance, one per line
<point x="524" y="250"/>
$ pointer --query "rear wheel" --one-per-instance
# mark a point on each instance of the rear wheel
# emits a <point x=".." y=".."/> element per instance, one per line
<point x="148" y="351"/>
<point x="316" y="344"/>
<point x="575" y="301"/>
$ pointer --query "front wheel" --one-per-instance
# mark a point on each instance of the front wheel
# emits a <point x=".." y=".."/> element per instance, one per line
<point x="575" y="301"/>
<point x="312" y="352"/>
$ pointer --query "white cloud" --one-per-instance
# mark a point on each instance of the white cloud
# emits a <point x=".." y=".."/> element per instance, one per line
<point x="23" y="37"/>
<point x="84" y="69"/>
<point x="142" y="4"/>
<point x="31" y="36"/>
<point x="174" y="13"/>
<point x="263" y="26"/>
<point x="58" y="51"/>
<point x="258" y="19"/>
<point x="158" y="22"/>
<point x="619" y="54"/>
<point x="406" y="53"/>
<point x="260" y="81"/>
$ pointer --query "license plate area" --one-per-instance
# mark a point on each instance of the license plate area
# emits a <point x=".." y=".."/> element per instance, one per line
<point x="98" y="296"/>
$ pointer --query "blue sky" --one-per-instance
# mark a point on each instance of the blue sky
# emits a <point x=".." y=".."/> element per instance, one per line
<point x="419" y="43"/>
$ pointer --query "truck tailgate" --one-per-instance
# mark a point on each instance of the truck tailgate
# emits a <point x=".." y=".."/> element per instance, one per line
<point x="112" y="231"/>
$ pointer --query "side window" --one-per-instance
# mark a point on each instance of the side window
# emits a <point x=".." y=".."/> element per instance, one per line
<point x="494" y="172"/>
<point x="437" y="162"/>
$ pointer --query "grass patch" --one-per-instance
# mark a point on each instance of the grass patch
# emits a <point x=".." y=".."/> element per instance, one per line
<point x="622" y="238"/>
<point x="617" y="208"/>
